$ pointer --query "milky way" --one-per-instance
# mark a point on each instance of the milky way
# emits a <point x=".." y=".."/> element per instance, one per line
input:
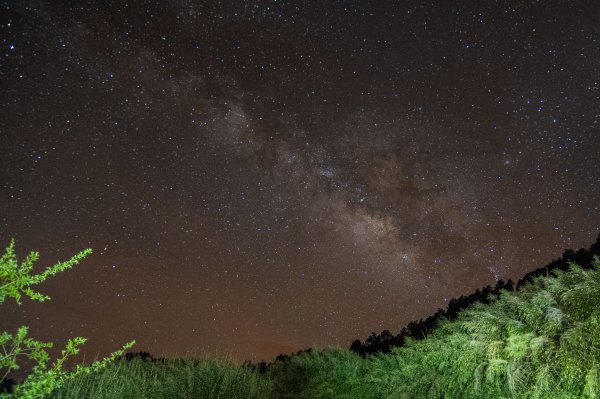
<point x="257" y="178"/>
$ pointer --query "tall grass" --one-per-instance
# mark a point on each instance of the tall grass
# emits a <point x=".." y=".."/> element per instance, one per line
<point x="178" y="378"/>
<point x="540" y="342"/>
<point x="329" y="373"/>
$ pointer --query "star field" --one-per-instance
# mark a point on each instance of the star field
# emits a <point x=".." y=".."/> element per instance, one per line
<point x="261" y="177"/>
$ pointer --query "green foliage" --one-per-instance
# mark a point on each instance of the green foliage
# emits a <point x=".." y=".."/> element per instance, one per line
<point x="19" y="344"/>
<point x="330" y="373"/>
<point x="178" y="378"/>
<point x="540" y="342"/>
<point x="16" y="280"/>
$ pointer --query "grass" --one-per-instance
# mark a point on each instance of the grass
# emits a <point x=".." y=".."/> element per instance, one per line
<point x="177" y="378"/>
<point x="542" y="341"/>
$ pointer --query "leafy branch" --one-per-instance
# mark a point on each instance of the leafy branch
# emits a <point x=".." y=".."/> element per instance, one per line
<point x="16" y="281"/>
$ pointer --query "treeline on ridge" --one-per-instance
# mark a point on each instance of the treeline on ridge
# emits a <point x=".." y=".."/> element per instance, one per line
<point x="417" y="330"/>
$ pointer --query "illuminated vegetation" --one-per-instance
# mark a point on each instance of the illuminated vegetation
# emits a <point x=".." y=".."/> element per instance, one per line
<point x="542" y="341"/>
<point x="16" y="282"/>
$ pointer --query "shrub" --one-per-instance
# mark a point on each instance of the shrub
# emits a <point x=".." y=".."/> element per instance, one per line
<point x="16" y="281"/>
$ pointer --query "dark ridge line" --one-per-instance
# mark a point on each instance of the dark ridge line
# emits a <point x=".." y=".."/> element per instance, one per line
<point x="417" y="330"/>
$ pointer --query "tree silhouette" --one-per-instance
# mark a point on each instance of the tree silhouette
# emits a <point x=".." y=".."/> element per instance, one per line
<point x="130" y="356"/>
<point x="418" y="330"/>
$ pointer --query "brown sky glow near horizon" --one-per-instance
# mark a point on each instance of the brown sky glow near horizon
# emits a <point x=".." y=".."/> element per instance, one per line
<point x="257" y="178"/>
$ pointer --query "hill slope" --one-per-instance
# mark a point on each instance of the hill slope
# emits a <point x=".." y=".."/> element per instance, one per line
<point x="418" y="329"/>
<point x="542" y="341"/>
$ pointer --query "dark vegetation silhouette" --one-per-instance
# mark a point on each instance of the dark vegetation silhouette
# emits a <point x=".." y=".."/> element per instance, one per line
<point x="7" y="385"/>
<point x="538" y="338"/>
<point x="541" y="341"/>
<point x="263" y="366"/>
<point x="417" y="330"/>
<point x="143" y="356"/>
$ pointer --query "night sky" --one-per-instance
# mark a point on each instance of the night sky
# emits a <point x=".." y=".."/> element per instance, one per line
<point x="257" y="178"/>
